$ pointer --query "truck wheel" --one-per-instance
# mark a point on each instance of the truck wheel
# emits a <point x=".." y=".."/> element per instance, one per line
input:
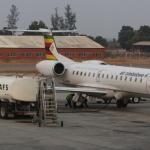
<point x="3" y="111"/>
<point x="136" y="99"/>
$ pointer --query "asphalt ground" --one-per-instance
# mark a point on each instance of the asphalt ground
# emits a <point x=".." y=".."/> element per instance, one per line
<point x="99" y="127"/>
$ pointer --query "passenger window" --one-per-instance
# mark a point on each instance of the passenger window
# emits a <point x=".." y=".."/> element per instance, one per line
<point x="77" y="72"/>
<point x="130" y="79"/>
<point x="102" y="75"/>
<point x="135" y="79"/>
<point x="89" y="74"/>
<point x="112" y="77"/>
<point x="125" y="78"/>
<point x="107" y="76"/>
<point x="116" y="77"/>
<point x="120" y="77"/>
<point x="85" y="74"/>
<point x="81" y="73"/>
<point x="93" y="74"/>
<point x="73" y="72"/>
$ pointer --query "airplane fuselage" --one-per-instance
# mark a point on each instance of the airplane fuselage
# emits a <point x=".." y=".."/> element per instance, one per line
<point x="117" y="80"/>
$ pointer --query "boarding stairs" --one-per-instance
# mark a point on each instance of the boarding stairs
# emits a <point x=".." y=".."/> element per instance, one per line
<point x="47" y="103"/>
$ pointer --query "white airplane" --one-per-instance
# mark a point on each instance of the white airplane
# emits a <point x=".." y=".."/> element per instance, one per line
<point x="94" y="78"/>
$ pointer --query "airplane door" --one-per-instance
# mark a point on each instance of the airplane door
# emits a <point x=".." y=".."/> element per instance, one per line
<point x="148" y="84"/>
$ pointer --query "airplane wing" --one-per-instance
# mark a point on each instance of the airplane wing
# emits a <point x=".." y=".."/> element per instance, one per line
<point x="81" y="90"/>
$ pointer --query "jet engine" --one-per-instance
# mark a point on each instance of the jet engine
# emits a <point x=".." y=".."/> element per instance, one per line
<point x="51" y="68"/>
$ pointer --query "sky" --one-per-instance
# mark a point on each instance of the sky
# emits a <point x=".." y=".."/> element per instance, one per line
<point x="94" y="17"/>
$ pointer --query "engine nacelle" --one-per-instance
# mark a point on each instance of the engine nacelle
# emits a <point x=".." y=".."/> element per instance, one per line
<point x="51" y="68"/>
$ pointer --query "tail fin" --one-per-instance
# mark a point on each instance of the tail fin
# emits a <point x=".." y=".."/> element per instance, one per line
<point x="49" y="40"/>
<point x="51" y="50"/>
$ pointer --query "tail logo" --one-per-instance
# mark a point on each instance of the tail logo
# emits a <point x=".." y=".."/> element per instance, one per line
<point x="49" y="41"/>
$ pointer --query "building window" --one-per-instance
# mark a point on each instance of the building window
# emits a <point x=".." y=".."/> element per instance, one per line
<point x="12" y="54"/>
<point x="39" y="54"/>
<point x="28" y="54"/>
<point x="22" y="54"/>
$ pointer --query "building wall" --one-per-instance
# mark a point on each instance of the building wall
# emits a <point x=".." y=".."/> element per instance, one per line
<point x="39" y="53"/>
<point x="22" y="53"/>
<point x="82" y="53"/>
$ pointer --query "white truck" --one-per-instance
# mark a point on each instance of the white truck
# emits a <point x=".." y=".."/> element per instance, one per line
<point x="18" y="95"/>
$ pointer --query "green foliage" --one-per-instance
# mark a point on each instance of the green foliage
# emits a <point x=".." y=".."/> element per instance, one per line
<point x="57" y="21"/>
<point x="68" y="22"/>
<point x="35" y="25"/>
<point x="143" y="34"/>
<point x="113" y="44"/>
<point x="70" y="18"/>
<point x="128" y="36"/>
<point x="125" y="37"/>
<point x="101" y="40"/>
<point x="13" y="17"/>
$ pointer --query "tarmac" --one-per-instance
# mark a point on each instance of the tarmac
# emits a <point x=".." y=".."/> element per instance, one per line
<point x="99" y="127"/>
<point x="106" y="128"/>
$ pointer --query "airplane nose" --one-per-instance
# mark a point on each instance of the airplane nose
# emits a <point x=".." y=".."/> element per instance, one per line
<point x="39" y="67"/>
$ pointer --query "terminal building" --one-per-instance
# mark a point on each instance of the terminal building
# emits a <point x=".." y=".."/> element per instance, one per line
<point x="32" y="47"/>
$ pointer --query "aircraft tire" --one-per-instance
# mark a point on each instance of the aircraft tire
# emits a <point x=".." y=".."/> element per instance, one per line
<point x="136" y="100"/>
<point x="77" y="104"/>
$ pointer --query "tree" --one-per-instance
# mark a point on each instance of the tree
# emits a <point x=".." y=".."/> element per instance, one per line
<point x="4" y="31"/>
<point x="143" y="34"/>
<point x="67" y="22"/>
<point x="70" y="18"/>
<point x="35" y="25"/>
<point x="125" y="37"/>
<point x="101" y="40"/>
<point x="57" y="21"/>
<point x="13" y="17"/>
<point x="113" y="43"/>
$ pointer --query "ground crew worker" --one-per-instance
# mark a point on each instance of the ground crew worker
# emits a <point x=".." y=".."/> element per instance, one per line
<point x="69" y="100"/>
<point x="84" y="100"/>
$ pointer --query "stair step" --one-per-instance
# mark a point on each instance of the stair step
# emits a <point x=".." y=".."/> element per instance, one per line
<point x="52" y="118"/>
